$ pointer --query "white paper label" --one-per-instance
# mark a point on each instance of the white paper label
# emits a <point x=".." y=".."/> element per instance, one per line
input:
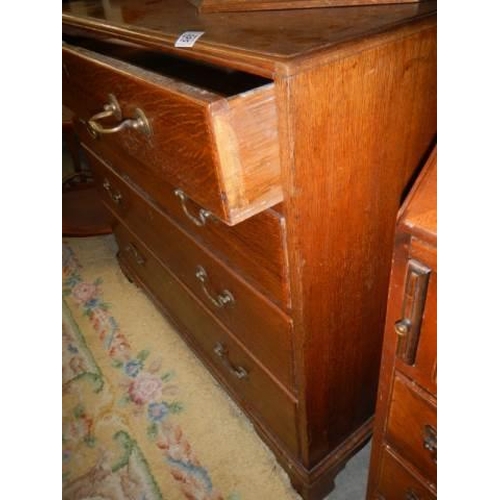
<point x="188" y="38"/>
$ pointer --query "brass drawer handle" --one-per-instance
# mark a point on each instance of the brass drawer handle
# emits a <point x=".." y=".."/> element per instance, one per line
<point x="430" y="441"/>
<point x="115" y="196"/>
<point x="238" y="371"/>
<point x="218" y="299"/>
<point x="135" y="253"/>
<point x="203" y="214"/>
<point x="112" y="108"/>
<point x="408" y="328"/>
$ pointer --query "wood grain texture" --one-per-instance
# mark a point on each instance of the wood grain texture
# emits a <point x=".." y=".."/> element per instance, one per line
<point x="255" y="248"/>
<point x="83" y="214"/>
<point x="261" y="326"/>
<point x="248" y="5"/>
<point x="246" y="136"/>
<point x="256" y="42"/>
<point x="398" y="482"/>
<point x="228" y="179"/>
<point x="419" y="212"/>
<point x="258" y="395"/>
<point x="354" y="92"/>
<point x="410" y="411"/>
<point x="376" y="113"/>
<point x="414" y="403"/>
<point x="424" y="370"/>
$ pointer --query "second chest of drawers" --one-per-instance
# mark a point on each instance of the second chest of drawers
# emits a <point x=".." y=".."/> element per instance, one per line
<point x="404" y="450"/>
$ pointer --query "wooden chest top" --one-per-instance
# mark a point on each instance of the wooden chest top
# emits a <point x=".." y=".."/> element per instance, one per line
<point x="419" y="213"/>
<point x="264" y="42"/>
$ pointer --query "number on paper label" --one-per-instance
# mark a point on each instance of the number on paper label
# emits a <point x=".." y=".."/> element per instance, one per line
<point x="188" y="38"/>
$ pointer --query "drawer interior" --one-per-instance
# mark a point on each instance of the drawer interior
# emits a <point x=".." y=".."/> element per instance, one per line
<point x="225" y="82"/>
<point x="211" y="132"/>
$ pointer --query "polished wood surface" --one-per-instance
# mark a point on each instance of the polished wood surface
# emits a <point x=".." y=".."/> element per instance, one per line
<point x="423" y="370"/>
<point x="223" y="152"/>
<point x="252" y="41"/>
<point x="419" y="214"/>
<point x="397" y="482"/>
<point x="254" y="247"/>
<point x="246" y="5"/>
<point x="258" y="394"/>
<point x="410" y="412"/>
<point x="354" y="95"/>
<point x="404" y="448"/>
<point x="340" y="243"/>
<point x="261" y="326"/>
<point x="83" y="213"/>
<point x="70" y="140"/>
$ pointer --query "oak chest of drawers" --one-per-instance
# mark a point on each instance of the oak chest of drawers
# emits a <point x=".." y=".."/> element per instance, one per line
<point x="255" y="178"/>
<point x="404" y="450"/>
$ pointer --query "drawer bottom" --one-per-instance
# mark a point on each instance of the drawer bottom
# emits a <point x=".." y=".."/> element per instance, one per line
<point x="248" y="382"/>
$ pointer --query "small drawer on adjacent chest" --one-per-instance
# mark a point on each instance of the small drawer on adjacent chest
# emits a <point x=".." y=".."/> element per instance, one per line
<point x="250" y="383"/>
<point x="416" y="328"/>
<point x="412" y="427"/>
<point x="396" y="482"/>
<point x="254" y="247"/>
<point x="210" y="132"/>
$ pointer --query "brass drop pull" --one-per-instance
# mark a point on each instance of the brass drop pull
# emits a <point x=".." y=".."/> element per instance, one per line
<point x="217" y="299"/>
<point x="135" y="253"/>
<point x="430" y="441"/>
<point x="115" y="196"/>
<point x="203" y="215"/>
<point x="112" y="109"/>
<point x="238" y="371"/>
<point x="408" y="328"/>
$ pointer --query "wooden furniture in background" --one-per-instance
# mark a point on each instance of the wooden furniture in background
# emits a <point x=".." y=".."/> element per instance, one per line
<point x="249" y="5"/>
<point x="83" y="213"/>
<point x="70" y="139"/>
<point x="255" y="179"/>
<point x="404" y="448"/>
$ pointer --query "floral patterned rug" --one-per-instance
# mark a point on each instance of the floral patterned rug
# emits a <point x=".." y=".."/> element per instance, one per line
<point x="142" y="418"/>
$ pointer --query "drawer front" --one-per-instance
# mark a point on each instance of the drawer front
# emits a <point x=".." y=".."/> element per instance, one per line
<point x="396" y="482"/>
<point x="424" y="368"/>
<point x="222" y="150"/>
<point x="230" y="362"/>
<point x="259" y="324"/>
<point x="412" y="427"/>
<point x="255" y="247"/>
<point x="412" y="313"/>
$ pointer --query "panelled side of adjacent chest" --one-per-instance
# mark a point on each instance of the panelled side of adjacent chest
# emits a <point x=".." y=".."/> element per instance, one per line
<point x="404" y="451"/>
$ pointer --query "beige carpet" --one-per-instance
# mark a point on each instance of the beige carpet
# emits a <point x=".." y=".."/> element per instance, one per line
<point x="142" y="418"/>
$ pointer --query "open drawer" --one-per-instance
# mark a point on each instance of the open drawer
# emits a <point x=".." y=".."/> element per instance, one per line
<point x="210" y="132"/>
